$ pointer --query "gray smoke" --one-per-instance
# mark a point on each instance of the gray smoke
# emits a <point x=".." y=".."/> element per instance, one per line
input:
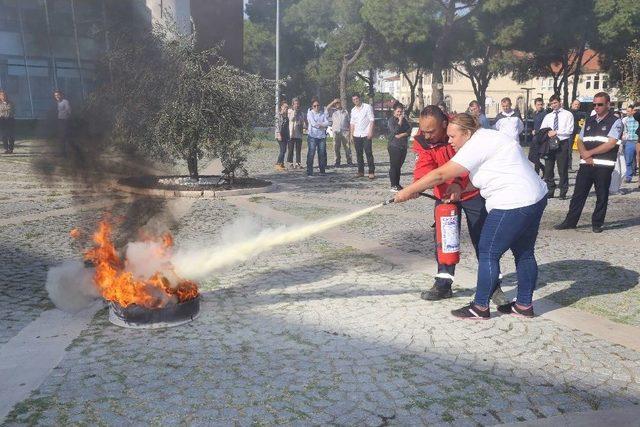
<point x="70" y="286"/>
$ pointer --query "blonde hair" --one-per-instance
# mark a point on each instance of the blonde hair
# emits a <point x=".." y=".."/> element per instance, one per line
<point x="466" y="122"/>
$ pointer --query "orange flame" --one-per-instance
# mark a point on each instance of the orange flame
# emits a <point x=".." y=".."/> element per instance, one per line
<point x="118" y="285"/>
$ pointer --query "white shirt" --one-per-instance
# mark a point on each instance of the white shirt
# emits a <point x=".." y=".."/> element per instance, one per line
<point x="565" y="123"/>
<point x="64" y="110"/>
<point x="500" y="170"/>
<point x="510" y="124"/>
<point x="361" y="118"/>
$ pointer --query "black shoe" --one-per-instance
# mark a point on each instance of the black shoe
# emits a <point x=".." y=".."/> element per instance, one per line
<point x="471" y="312"/>
<point x="562" y="196"/>
<point x="512" y="308"/>
<point x="436" y="293"/>
<point x="498" y="297"/>
<point x="564" y="226"/>
<point x="551" y="195"/>
<point x="336" y="165"/>
<point x="395" y="188"/>
<point x="596" y="228"/>
<point x="349" y="163"/>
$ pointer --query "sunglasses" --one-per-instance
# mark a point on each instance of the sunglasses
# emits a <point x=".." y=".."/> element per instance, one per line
<point x="598" y="104"/>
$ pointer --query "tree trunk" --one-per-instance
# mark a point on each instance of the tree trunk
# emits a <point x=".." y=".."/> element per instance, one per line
<point x="372" y="90"/>
<point x="412" y="88"/>
<point x="347" y="61"/>
<point x="420" y="93"/>
<point x="192" y="164"/>
<point x="577" y="72"/>
<point x="437" y="92"/>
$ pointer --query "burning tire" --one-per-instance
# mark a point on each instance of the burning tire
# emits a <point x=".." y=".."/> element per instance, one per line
<point x="138" y="317"/>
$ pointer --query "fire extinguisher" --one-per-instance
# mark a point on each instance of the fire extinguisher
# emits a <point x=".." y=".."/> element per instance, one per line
<point x="447" y="233"/>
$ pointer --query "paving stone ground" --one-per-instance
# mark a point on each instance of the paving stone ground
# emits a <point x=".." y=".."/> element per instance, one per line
<point x="317" y="332"/>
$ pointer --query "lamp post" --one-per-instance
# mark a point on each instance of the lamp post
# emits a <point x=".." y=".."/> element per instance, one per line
<point x="526" y="112"/>
<point x="277" y="59"/>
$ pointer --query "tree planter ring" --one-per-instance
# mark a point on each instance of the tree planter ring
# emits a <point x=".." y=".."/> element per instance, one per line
<point x="153" y="186"/>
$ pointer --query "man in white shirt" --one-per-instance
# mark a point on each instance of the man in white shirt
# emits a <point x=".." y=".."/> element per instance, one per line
<point x="361" y="133"/>
<point x="508" y="121"/>
<point x="560" y="122"/>
<point x="64" y="116"/>
<point x="340" y="125"/>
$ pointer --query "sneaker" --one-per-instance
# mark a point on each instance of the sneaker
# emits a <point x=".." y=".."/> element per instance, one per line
<point x="395" y="188"/>
<point x="349" y="163"/>
<point x="564" y="226"/>
<point x="471" y="312"/>
<point x="436" y="293"/>
<point x="291" y="166"/>
<point x="596" y="228"/>
<point x="298" y="166"/>
<point x="336" y="165"/>
<point x="498" y="297"/>
<point x="512" y="308"/>
<point x="372" y="176"/>
<point x="627" y="180"/>
<point x="280" y="168"/>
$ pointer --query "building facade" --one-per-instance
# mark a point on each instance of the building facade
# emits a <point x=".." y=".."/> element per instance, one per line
<point x="55" y="44"/>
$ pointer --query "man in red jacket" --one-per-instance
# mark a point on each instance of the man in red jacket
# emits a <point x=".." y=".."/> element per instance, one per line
<point x="432" y="151"/>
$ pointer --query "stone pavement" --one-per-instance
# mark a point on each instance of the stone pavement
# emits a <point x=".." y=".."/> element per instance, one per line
<point x="329" y="330"/>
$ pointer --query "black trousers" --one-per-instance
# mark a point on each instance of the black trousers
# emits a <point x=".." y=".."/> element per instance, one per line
<point x="283" y="150"/>
<point x="294" y="143"/>
<point x="561" y="159"/>
<point x="589" y="176"/>
<point x="476" y="213"/>
<point x="397" y="155"/>
<point x="8" y="133"/>
<point x="363" y="146"/>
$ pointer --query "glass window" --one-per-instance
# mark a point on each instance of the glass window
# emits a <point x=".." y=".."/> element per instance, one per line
<point x="9" y="15"/>
<point x="447" y="76"/>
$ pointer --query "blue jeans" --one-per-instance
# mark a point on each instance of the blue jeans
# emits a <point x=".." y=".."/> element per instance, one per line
<point x="630" y="157"/>
<point x="515" y="229"/>
<point x="319" y="144"/>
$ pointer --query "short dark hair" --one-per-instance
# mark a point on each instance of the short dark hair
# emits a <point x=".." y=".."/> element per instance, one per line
<point x="505" y="99"/>
<point x="434" y="111"/>
<point x="58" y="91"/>
<point x="554" y="97"/>
<point x="353" y="95"/>
<point x="474" y="102"/>
<point x="397" y="104"/>
<point x="538" y="100"/>
<point x="604" y="95"/>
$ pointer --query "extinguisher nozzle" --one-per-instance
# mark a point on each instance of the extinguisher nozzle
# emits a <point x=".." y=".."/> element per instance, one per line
<point x="387" y="202"/>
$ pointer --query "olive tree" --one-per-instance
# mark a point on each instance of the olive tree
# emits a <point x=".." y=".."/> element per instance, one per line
<point x="172" y="102"/>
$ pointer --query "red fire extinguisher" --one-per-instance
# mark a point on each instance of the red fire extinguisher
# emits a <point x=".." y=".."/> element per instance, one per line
<point x="447" y="233"/>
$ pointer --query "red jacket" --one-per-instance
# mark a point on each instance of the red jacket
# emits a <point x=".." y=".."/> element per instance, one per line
<point x="432" y="155"/>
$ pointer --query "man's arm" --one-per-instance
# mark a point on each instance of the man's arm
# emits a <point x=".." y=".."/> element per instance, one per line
<point x="436" y="177"/>
<point x="371" y="122"/>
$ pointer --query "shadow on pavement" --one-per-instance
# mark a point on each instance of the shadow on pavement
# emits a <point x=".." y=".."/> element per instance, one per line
<point x="589" y="278"/>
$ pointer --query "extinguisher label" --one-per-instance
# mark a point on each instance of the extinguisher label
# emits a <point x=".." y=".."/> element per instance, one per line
<point x="450" y="235"/>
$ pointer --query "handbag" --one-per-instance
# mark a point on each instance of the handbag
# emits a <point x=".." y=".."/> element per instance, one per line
<point x="554" y="143"/>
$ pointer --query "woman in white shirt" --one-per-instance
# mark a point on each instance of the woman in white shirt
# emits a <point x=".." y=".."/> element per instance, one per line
<point x="515" y="200"/>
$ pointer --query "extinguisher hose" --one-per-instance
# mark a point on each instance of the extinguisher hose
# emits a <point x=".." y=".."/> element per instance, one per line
<point x="430" y="196"/>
